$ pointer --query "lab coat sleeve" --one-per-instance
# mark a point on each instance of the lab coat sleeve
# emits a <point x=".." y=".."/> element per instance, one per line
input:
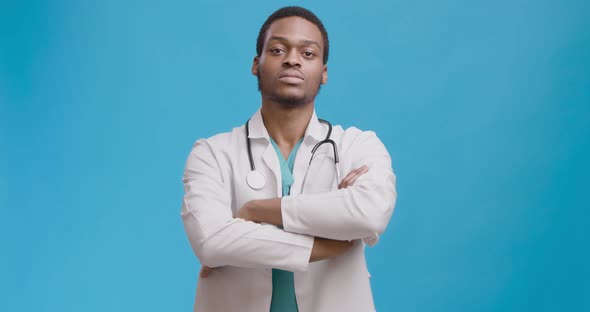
<point x="219" y="239"/>
<point x="361" y="211"/>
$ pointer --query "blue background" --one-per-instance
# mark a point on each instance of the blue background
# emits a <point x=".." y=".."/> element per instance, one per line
<point x="484" y="107"/>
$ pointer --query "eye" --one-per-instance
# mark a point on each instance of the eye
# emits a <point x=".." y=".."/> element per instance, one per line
<point x="276" y="51"/>
<point x="308" y="54"/>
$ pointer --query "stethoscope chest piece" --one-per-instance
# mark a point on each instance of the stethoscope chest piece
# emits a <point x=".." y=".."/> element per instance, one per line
<point x="256" y="179"/>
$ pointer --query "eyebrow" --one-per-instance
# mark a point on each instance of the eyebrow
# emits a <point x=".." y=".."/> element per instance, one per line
<point x="305" y="42"/>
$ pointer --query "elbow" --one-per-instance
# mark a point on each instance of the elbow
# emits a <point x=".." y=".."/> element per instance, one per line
<point x="378" y="223"/>
<point x="208" y="255"/>
<point x="206" y="252"/>
<point x="382" y="200"/>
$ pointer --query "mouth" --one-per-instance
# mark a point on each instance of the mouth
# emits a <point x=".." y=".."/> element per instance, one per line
<point x="291" y="77"/>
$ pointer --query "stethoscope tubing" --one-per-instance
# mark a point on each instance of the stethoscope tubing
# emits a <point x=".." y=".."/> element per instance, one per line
<point x="254" y="171"/>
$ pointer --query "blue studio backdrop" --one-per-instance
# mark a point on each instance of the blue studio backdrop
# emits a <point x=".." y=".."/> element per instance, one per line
<point x="484" y="107"/>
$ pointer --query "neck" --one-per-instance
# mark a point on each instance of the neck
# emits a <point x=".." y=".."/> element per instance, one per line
<point x="286" y="125"/>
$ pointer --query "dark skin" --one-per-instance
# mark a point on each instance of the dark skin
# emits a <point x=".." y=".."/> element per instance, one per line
<point x="290" y="70"/>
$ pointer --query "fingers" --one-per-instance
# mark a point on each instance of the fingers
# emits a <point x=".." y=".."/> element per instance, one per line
<point x="205" y="270"/>
<point x="342" y="247"/>
<point x="351" y="177"/>
<point x="324" y="248"/>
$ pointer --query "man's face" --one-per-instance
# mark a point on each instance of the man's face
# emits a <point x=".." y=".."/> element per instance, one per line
<point x="290" y="68"/>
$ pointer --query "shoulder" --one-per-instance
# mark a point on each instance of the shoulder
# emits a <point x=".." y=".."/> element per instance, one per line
<point x="353" y="136"/>
<point x="359" y="143"/>
<point x="219" y="144"/>
<point x="210" y="154"/>
<point x="223" y="140"/>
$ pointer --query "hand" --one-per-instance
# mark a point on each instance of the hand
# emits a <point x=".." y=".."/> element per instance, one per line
<point x="351" y="177"/>
<point x="262" y="211"/>
<point x="324" y="248"/>
<point x="205" y="270"/>
<point x="245" y="212"/>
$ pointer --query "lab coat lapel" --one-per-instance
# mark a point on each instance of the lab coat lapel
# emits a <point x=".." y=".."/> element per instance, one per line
<point x="301" y="165"/>
<point x="269" y="156"/>
<point x="272" y="162"/>
<point x="313" y="134"/>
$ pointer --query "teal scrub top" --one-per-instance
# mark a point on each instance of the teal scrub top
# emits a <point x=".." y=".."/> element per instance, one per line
<point x="283" y="287"/>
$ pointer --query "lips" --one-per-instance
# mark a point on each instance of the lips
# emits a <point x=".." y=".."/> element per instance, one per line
<point x="291" y="77"/>
<point x="292" y="74"/>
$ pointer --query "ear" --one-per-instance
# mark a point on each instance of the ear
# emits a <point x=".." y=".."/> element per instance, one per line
<point x="325" y="75"/>
<point x="254" y="69"/>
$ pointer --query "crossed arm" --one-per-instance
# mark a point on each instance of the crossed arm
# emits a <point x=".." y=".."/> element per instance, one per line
<point x="269" y="211"/>
<point x="313" y="226"/>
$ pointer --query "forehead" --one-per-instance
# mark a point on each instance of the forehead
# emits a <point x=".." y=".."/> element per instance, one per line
<point x="295" y="29"/>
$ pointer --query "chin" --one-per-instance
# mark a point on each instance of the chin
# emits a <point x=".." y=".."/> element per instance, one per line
<point x="290" y="95"/>
<point x="290" y="100"/>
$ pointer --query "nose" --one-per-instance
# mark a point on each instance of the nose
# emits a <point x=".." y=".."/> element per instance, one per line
<point x="292" y="59"/>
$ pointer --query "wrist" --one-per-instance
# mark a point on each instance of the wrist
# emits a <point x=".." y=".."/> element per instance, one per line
<point x="265" y="211"/>
<point x="253" y="211"/>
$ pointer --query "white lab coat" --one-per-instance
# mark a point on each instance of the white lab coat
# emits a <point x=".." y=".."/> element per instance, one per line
<point x="243" y="253"/>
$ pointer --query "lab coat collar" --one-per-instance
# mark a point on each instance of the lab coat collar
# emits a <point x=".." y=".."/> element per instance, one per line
<point x="258" y="130"/>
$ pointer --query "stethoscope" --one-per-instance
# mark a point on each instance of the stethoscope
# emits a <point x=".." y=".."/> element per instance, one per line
<point x="256" y="178"/>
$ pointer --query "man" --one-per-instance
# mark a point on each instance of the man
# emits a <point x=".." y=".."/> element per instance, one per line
<point x="273" y="230"/>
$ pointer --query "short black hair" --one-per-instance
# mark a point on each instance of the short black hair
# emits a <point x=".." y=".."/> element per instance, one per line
<point x="289" y="11"/>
